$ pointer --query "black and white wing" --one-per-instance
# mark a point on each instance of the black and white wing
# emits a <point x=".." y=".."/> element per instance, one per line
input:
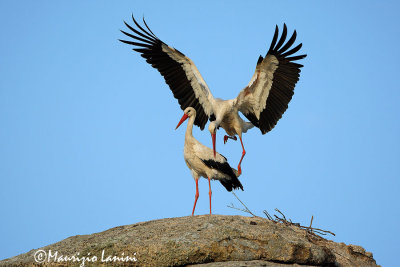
<point x="232" y="181"/>
<point x="179" y="71"/>
<point x="220" y="164"/>
<point x="264" y="100"/>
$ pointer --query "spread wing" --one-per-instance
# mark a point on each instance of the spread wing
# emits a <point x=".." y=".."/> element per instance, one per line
<point x="264" y="100"/>
<point x="179" y="71"/>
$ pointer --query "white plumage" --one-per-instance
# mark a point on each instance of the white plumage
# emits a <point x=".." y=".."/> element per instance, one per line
<point x="202" y="163"/>
<point x="263" y="101"/>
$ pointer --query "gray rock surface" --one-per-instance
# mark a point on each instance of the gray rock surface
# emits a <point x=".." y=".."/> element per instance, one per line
<point x="205" y="240"/>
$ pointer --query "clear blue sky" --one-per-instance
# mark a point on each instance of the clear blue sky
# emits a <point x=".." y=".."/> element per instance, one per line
<point x="87" y="139"/>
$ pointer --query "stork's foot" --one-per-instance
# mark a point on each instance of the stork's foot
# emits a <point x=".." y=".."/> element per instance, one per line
<point x="239" y="170"/>
<point x="226" y="137"/>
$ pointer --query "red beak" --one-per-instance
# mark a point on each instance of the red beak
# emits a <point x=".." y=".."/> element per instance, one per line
<point x="184" y="117"/>
<point x="213" y="136"/>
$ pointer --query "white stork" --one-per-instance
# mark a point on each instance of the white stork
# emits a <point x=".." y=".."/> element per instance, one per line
<point x="263" y="101"/>
<point x="201" y="162"/>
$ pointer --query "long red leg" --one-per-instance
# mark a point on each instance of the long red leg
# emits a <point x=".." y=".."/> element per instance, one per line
<point x="197" y="195"/>
<point x="243" y="153"/>
<point x="209" y="192"/>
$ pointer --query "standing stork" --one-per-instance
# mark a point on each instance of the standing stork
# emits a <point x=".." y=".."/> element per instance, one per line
<point x="201" y="161"/>
<point x="263" y="101"/>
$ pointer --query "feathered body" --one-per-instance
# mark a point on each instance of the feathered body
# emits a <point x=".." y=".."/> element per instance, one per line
<point x="201" y="161"/>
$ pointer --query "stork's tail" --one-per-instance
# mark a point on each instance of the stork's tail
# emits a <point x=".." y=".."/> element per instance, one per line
<point x="236" y="172"/>
<point x="232" y="182"/>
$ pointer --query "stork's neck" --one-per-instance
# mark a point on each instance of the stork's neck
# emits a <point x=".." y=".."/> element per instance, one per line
<point x="190" y="127"/>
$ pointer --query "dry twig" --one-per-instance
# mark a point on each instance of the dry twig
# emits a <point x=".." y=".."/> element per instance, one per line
<point x="309" y="229"/>
<point x="245" y="207"/>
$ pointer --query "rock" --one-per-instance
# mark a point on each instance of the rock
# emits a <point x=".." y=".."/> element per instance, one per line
<point x="205" y="240"/>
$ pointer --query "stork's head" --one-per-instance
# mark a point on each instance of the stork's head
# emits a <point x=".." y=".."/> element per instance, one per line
<point x="188" y="112"/>
<point x="212" y="127"/>
<point x="191" y="112"/>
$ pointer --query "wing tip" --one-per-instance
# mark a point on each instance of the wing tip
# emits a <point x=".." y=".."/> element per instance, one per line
<point x="260" y="59"/>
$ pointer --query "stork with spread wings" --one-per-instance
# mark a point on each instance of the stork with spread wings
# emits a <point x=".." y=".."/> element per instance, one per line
<point x="263" y="101"/>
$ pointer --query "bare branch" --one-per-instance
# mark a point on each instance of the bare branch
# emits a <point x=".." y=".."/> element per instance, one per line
<point x="233" y="207"/>
<point x="247" y="209"/>
<point x="268" y="216"/>
<point x="308" y="229"/>
<point x="281" y="214"/>
<point x="288" y="222"/>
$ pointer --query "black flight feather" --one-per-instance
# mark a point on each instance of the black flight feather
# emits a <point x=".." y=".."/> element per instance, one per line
<point x="284" y="81"/>
<point x="150" y="48"/>
<point x="229" y="183"/>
